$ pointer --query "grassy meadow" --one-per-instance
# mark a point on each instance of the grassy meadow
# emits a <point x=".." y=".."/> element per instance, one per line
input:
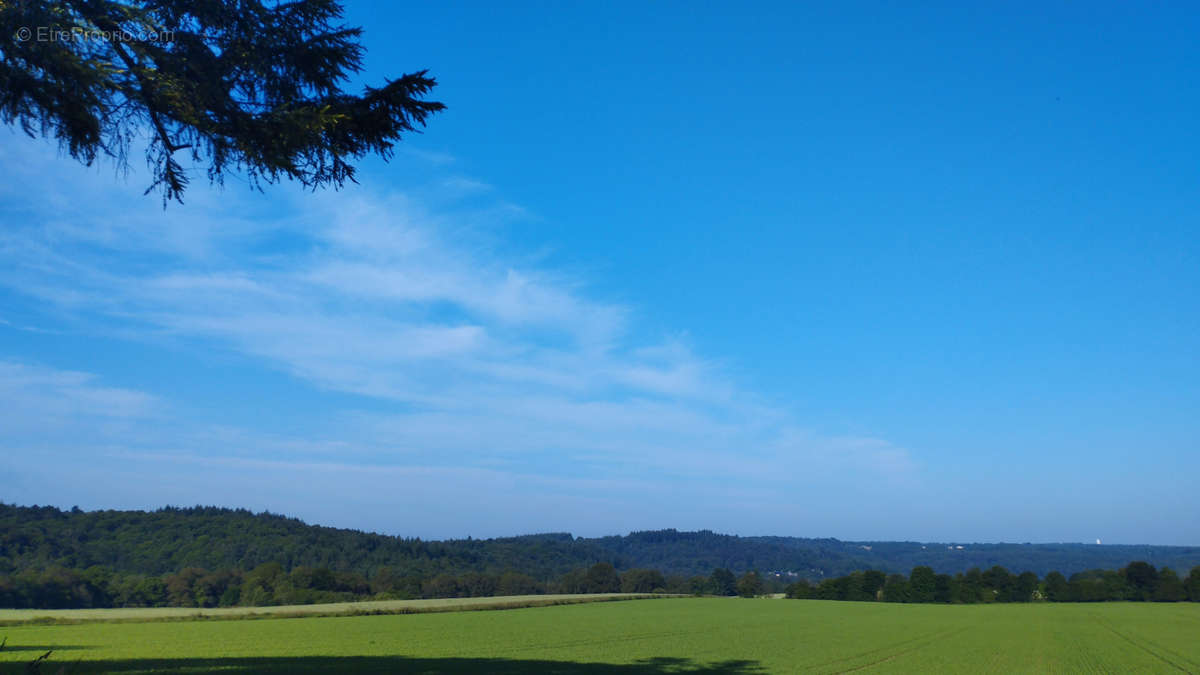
<point x="645" y="637"/>
<point x="19" y="616"/>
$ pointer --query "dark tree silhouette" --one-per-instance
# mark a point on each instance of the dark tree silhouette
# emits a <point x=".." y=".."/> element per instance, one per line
<point x="1169" y="588"/>
<point x="873" y="582"/>
<point x="896" y="588"/>
<point x="602" y="578"/>
<point x="1191" y="585"/>
<point x="642" y="581"/>
<point x="723" y="582"/>
<point x="799" y="590"/>
<point x="234" y="84"/>
<point x="922" y="584"/>
<point x="749" y="585"/>
<point x="1142" y="579"/>
<point x="1056" y="587"/>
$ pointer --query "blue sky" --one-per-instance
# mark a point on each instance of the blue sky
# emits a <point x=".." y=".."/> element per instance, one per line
<point x="852" y="271"/>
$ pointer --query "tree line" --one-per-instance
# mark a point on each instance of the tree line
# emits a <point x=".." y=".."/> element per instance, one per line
<point x="1137" y="581"/>
<point x="167" y="540"/>
<point x="272" y="584"/>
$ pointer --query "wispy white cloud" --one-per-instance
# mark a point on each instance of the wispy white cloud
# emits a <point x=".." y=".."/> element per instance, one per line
<point x="38" y="396"/>
<point x="430" y="156"/>
<point x="27" y="328"/>
<point x="479" y="360"/>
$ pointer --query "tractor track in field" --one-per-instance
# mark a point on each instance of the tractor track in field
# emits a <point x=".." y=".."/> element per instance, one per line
<point x="1141" y="644"/>
<point x="902" y="652"/>
<point x="1187" y="615"/>
<point x="609" y="640"/>
<point x="1192" y="666"/>
<point x="922" y="641"/>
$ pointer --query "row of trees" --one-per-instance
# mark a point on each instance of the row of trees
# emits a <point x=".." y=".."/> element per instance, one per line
<point x="1138" y="581"/>
<point x="271" y="584"/>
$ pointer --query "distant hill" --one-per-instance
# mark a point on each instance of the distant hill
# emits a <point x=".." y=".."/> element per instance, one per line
<point x="700" y="552"/>
<point x="169" y="539"/>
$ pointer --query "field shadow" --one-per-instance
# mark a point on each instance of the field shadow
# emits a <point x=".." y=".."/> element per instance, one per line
<point x="395" y="664"/>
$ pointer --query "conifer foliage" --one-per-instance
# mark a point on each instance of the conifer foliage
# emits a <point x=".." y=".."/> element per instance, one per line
<point x="234" y="85"/>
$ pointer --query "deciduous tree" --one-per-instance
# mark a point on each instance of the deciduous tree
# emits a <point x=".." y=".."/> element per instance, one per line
<point x="723" y="582"/>
<point x="749" y="585"/>
<point x="642" y="581"/>
<point x="896" y="589"/>
<point x="800" y="589"/>
<point x="1055" y="587"/>
<point x="922" y="584"/>
<point x="1192" y="584"/>
<point x="1142" y="579"/>
<point x="1169" y="587"/>
<point x="602" y="578"/>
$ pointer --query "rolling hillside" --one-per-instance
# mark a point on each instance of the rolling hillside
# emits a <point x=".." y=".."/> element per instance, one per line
<point x="169" y="539"/>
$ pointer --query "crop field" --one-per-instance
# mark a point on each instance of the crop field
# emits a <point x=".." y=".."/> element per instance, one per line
<point x="645" y="637"/>
<point x="17" y="616"/>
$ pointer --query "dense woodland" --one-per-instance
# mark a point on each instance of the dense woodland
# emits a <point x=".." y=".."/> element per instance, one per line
<point x="207" y="556"/>
<point x="1137" y="581"/>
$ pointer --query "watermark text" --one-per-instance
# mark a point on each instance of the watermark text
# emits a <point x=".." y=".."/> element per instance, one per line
<point x="80" y="34"/>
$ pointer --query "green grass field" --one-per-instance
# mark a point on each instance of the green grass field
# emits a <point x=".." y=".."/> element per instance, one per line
<point x="647" y="637"/>
<point x="18" y="616"/>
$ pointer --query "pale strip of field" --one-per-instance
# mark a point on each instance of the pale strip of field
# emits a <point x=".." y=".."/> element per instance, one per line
<point x="11" y="616"/>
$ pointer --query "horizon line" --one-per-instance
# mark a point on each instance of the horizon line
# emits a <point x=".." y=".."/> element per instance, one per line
<point x="267" y="512"/>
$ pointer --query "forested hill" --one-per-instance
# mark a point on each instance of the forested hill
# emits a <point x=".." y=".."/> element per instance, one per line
<point x="695" y="552"/>
<point x="170" y="539"/>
